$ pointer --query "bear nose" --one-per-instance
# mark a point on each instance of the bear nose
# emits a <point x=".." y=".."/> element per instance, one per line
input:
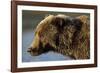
<point x="29" y="49"/>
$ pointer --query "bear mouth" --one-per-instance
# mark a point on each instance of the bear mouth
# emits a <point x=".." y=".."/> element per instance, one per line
<point x="40" y="50"/>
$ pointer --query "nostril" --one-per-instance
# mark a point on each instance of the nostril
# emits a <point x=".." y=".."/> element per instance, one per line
<point x="29" y="49"/>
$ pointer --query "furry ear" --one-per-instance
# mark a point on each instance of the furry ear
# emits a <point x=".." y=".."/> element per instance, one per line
<point x="83" y="18"/>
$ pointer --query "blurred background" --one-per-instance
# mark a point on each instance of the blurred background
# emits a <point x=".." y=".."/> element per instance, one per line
<point x="30" y="19"/>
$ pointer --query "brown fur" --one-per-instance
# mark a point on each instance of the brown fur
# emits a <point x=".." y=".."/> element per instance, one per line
<point x="63" y="34"/>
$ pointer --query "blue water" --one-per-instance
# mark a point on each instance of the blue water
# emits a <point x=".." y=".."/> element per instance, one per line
<point x="27" y="37"/>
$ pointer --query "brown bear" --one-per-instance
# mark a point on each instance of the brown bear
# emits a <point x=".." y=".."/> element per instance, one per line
<point x="63" y="34"/>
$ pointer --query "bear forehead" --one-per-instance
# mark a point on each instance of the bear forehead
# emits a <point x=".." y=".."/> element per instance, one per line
<point x="62" y="16"/>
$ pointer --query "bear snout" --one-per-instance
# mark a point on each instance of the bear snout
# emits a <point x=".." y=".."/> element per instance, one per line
<point x="29" y="49"/>
<point x="33" y="51"/>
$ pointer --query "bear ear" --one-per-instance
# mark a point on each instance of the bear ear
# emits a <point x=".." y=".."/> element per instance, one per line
<point x="83" y="18"/>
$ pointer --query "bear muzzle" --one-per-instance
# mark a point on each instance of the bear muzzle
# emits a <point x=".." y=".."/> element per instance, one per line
<point x="33" y="51"/>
